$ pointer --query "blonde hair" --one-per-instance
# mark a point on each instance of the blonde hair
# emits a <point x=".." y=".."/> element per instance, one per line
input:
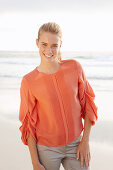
<point x="53" y="28"/>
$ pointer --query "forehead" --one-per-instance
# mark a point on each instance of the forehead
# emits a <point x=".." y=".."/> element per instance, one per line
<point x="48" y="37"/>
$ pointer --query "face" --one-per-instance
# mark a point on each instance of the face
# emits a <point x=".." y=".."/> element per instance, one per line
<point x="49" y="45"/>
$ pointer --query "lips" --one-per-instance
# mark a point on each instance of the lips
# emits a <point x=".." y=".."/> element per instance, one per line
<point x="48" y="56"/>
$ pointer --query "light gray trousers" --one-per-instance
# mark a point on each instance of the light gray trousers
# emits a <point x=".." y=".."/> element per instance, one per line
<point x="52" y="157"/>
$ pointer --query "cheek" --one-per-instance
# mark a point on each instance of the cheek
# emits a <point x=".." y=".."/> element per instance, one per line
<point x="41" y="49"/>
<point x="56" y="50"/>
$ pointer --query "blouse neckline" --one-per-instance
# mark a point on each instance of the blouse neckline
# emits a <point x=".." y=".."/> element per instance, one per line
<point x="58" y="71"/>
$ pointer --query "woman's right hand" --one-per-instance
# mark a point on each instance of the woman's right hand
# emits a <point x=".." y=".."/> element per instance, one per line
<point x="40" y="167"/>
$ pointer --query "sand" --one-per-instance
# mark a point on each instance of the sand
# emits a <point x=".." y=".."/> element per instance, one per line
<point x="14" y="155"/>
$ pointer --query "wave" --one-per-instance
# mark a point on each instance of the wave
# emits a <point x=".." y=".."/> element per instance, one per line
<point x="88" y="77"/>
<point x="18" y="63"/>
<point x="33" y="62"/>
<point x="100" y="78"/>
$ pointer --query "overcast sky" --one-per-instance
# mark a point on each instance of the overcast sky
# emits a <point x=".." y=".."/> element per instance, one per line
<point x="42" y="5"/>
<point x="86" y="24"/>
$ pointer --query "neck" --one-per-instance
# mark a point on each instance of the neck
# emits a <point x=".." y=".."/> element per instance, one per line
<point x="48" y="65"/>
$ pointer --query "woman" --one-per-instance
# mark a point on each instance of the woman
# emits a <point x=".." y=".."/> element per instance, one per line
<point x="55" y="96"/>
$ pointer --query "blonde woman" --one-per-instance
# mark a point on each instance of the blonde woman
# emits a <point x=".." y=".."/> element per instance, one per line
<point x="55" y="96"/>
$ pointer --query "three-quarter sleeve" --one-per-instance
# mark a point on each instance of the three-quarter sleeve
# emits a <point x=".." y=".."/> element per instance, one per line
<point x="86" y="96"/>
<point x="27" y="114"/>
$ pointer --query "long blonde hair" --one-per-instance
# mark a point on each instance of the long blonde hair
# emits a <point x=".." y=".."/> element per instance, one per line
<point x="53" y="28"/>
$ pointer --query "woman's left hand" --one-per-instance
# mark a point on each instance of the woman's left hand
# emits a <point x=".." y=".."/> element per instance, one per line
<point x="84" y="150"/>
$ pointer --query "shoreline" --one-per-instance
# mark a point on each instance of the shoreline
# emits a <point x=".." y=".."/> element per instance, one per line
<point x="90" y="53"/>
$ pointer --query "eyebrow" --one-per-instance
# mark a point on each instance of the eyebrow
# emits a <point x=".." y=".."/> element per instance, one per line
<point x="46" y="43"/>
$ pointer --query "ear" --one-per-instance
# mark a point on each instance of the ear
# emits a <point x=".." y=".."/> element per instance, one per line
<point x="37" y="43"/>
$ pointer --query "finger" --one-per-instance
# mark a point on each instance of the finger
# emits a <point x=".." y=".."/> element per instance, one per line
<point x="89" y="158"/>
<point x="86" y="161"/>
<point x="81" y="161"/>
<point x="77" y="154"/>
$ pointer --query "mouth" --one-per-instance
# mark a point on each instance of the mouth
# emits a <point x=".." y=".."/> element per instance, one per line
<point x="48" y="56"/>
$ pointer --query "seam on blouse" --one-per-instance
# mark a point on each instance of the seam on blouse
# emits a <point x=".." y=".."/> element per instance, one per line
<point x="26" y="119"/>
<point x="75" y="65"/>
<point x="29" y="88"/>
<point x="28" y="98"/>
<point x="83" y="77"/>
<point x="84" y="88"/>
<point x="27" y="95"/>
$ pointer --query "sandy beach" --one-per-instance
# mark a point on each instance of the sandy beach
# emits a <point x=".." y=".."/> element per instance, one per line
<point x="15" y="156"/>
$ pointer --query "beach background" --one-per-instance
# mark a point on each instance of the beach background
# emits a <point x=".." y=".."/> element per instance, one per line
<point x="99" y="71"/>
<point x="87" y="30"/>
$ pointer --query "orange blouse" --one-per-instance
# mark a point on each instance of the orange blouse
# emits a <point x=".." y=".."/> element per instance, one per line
<point x="52" y="105"/>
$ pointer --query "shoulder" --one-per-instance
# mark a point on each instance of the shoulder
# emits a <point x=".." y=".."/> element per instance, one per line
<point x="76" y="63"/>
<point x="69" y="61"/>
<point x="29" y="77"/>
<point x="78" y="66"/>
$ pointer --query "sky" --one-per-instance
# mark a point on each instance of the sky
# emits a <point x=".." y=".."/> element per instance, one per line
<point x="86" y="24"/>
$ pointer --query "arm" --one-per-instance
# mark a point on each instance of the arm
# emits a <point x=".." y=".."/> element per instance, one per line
<point x="83" y="147"/>
<point x="88" y="113"/>
<point x="87" y="128"/>
<point x="28" y="118"/>
<point x="33" y="150"/>
<point x="34" y="153"/>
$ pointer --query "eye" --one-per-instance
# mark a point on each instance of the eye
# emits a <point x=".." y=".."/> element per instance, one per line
<point x="55" y="46"/>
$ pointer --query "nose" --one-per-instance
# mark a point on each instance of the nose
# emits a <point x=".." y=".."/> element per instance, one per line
<point x="49" y="51"/>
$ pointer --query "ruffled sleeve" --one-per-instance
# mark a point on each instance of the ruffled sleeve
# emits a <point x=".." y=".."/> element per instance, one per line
<point x="27" y="114"/>
<point x="86" y="96"/>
